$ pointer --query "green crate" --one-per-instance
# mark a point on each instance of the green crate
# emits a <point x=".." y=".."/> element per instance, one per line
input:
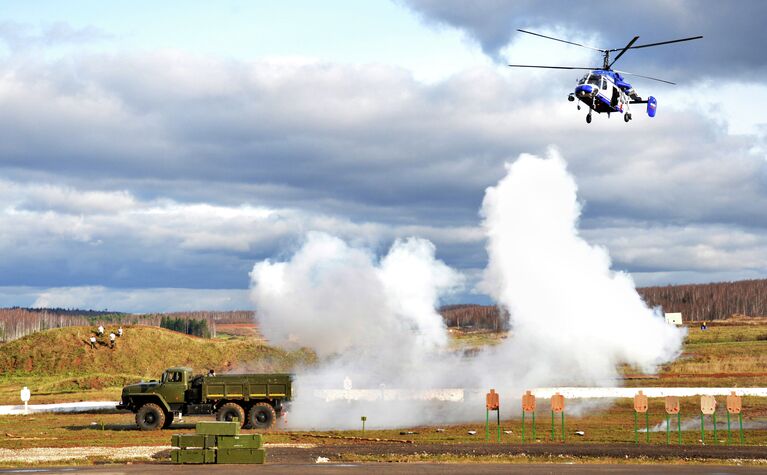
<point x="201" y="441"/>
<point x="242" y="441"/>
<point x="193" y="455"/>
<point x="218" y="428"/>
<point x="239" y="455"/>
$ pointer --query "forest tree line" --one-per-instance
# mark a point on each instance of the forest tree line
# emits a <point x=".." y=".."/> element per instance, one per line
<point x="696" y="302"/>
<point x="701" y="302"/>
<point x="18" y="322"/>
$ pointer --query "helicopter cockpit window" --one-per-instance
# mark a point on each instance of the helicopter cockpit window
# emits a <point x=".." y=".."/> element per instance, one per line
<point x="595" y="79"/>
<point x="604" y="83"/>
<point x="583" y="80"/>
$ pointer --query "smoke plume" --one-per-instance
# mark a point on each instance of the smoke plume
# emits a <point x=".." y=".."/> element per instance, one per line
<point x="373" y="323"/>
<point x="353" y="309"/>
<point x="573" y="320"/>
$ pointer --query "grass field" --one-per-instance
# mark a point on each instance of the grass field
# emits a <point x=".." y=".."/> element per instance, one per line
<point x="724" y="355"/>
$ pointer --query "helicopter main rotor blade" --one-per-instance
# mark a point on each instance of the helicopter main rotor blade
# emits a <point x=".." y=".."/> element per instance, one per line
<point x="562" y="41"/>
<point x="548" y="67"/>
<point x="667" y="42"/>
<point x="660" y="43"/>
<point x="646" y="77"/>
<point x="625" y="48"/>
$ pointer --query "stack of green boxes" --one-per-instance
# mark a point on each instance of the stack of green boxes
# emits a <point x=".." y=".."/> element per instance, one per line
<point x="218" y="442"/>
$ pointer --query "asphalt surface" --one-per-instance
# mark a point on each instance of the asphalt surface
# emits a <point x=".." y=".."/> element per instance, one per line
<point x="397" y="469"/>
<point x="289" y="455"/>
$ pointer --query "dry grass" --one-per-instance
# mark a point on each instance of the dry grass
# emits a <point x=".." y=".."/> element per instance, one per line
<point x="461" y="340"/>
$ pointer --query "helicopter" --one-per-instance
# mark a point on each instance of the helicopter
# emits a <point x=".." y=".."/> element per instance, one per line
<point x="604" y="89"/>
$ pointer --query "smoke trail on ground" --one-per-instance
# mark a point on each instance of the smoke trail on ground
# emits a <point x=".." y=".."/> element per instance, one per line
<point x="373" y="321"/>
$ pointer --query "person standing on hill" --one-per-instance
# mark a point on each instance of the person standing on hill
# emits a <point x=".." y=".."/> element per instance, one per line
<point x="93" y="342"/>
<point x="101" y="330"/>
<point x="112" y="340"/>
<point x="120" y="331"/>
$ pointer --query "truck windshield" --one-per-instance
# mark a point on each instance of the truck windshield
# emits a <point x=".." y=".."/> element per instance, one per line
<point x="171" y="377"/>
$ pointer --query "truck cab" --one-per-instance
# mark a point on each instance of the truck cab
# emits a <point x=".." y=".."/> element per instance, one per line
<point x="175" y="382"/>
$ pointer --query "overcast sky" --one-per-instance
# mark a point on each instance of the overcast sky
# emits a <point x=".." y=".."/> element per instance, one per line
<point x="152" y="152"/>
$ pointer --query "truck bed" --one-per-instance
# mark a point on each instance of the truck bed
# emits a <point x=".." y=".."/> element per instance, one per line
<point x="244" y="386"/>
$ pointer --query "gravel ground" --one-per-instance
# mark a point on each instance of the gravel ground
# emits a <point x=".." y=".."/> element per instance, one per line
<point x="136" y="453"/>
<point x="55" y="454"/>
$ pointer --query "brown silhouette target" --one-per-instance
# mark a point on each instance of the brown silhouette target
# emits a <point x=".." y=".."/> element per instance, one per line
<point x="557" y="403"/>
<point x="734" y="403"/>
<point x="492" y="401"/>
<point x="640" y="402"/>
<point x="707" y="405"/>
<point x="672" y="405"/>
<point x="528" y="402"/>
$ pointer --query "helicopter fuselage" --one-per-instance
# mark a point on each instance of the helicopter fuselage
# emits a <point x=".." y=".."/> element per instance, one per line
<point x="607" y="91"/>
<point x="598" y="91"/>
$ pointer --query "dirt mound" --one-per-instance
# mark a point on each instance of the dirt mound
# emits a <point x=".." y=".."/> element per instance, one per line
<point x="141" y="350"/>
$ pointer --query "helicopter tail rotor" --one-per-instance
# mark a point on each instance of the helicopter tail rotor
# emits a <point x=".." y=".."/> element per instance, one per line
<point x="652" y="106"/>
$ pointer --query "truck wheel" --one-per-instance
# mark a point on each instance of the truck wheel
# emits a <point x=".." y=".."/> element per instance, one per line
<point x="262" y="416"/>
<point x="150" y="417"/>
<point x="168" y="420"/>
<point x="229" y="411"/>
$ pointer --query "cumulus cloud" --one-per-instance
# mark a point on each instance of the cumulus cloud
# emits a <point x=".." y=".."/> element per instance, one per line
<point x="20" y="36"/>
<point x="125" y="241"/>
<point x="168" y="169"/>
<point x="733" y="36"/>
<point x="137" y="300"/>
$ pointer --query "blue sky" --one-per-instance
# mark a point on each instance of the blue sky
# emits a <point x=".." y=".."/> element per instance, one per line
<point x="152" y="152"/>
<point x="334" y="31"/>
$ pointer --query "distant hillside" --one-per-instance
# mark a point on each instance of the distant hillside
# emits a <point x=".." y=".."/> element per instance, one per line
<point x="697" y="302"/>
<point x="144" y="351"/>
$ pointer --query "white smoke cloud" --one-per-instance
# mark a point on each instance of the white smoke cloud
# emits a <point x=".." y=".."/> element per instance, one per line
<point x="573" y="320"/>
<point x="371" y="320"/>
<point x="337" y="299"/>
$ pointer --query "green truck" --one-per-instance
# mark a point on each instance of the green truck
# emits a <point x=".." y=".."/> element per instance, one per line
<point x="254" y="399"/>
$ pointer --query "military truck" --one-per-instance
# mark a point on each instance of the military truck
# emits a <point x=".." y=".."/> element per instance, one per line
<point x="254" y="399"/>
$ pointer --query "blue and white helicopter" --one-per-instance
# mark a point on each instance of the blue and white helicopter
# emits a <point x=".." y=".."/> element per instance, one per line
<point x="604" y="89"/>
